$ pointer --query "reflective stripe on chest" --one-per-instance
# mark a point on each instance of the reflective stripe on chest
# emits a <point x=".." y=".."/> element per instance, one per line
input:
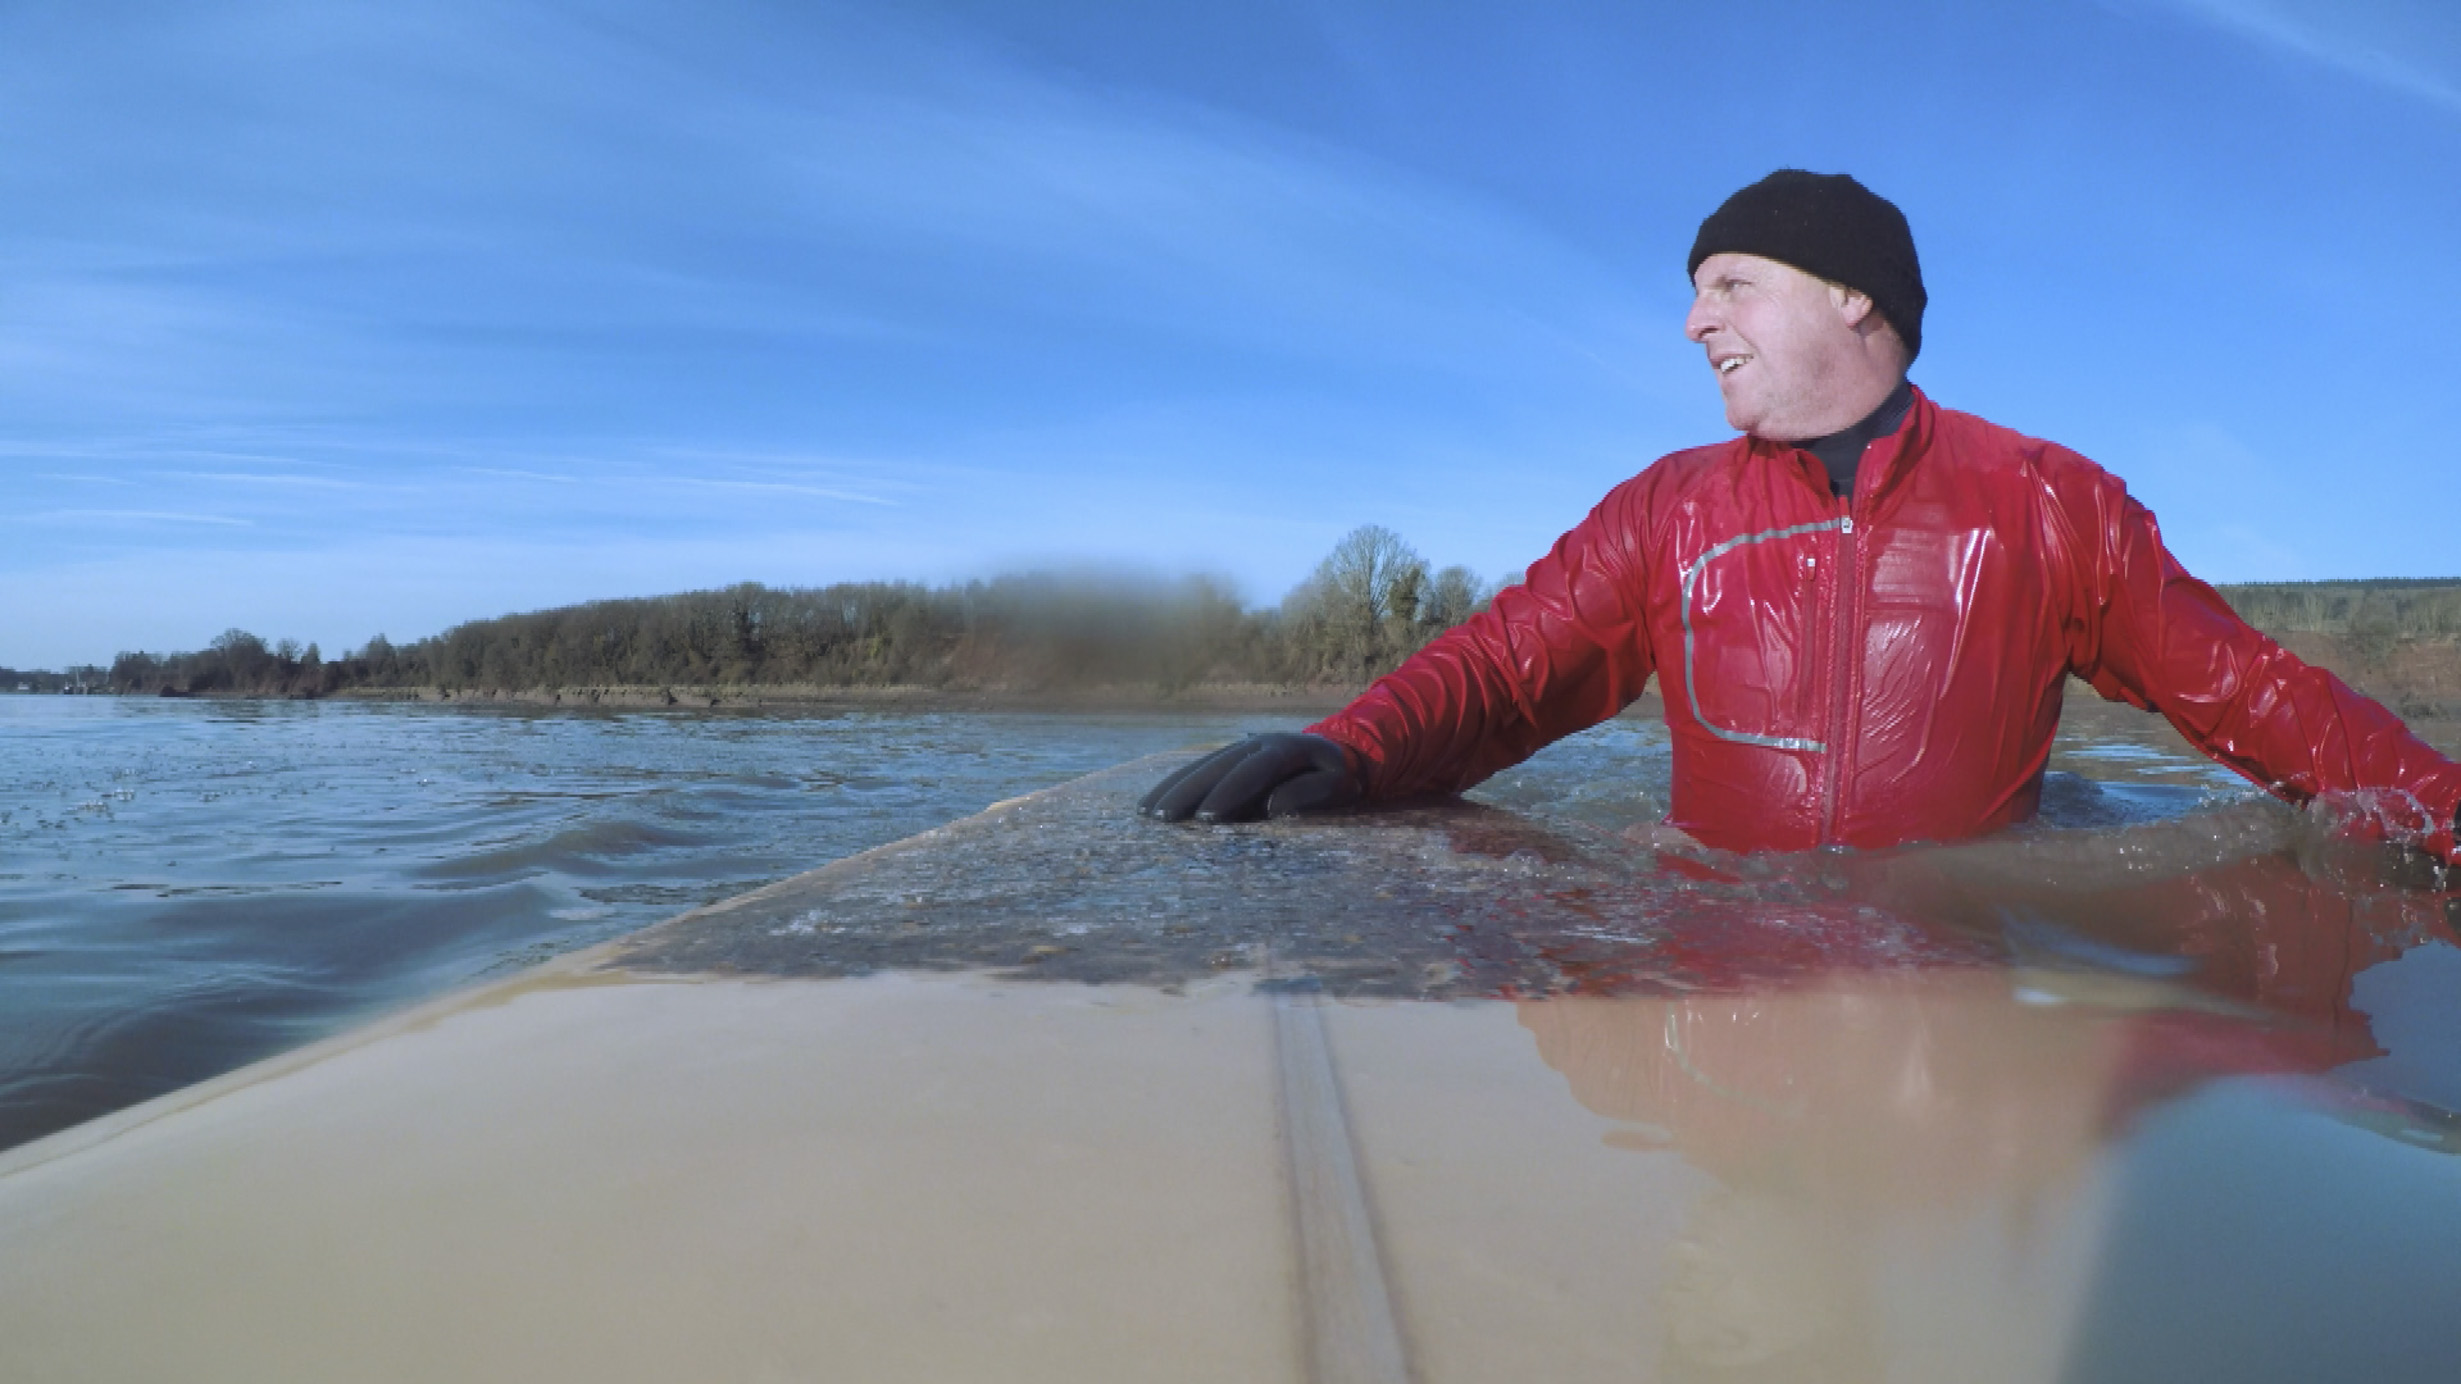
<point x="1691" y="578"/>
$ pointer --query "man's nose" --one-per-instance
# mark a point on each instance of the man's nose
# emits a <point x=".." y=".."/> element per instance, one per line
<point x="1700" y="321"/>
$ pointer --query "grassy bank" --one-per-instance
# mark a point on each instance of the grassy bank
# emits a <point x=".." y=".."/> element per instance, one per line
<point x="2397" y="640"/>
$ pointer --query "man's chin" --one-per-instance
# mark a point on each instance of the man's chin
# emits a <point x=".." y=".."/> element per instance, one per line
<point x="1760" y="425"/>
<point x="1741" y="415"/>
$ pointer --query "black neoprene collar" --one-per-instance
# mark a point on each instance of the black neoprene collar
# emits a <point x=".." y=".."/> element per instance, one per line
<point x="1841" y="452"/>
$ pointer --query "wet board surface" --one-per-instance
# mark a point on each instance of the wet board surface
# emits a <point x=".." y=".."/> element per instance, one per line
<point x="1446" y="1094"/>
<point x="1444" y="901"/>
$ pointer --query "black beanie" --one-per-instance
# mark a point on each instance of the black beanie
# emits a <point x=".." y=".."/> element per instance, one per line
<point x="1829" y="225"/>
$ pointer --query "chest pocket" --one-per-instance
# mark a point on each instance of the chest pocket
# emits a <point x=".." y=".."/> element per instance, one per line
<point x="1751" y="639"/>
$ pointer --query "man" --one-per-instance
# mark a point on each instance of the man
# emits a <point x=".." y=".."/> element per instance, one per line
<point x="1862" y="610"/>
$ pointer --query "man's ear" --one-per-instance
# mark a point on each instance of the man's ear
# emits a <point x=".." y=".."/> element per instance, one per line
<point x="1853" y="305"/>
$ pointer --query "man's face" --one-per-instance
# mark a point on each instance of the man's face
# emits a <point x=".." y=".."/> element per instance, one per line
<point x="1781" y="343"/>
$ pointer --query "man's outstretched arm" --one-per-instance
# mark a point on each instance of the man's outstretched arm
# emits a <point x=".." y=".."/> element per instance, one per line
<point x="2159" y="638"/>
<point x="1562" y="651"/>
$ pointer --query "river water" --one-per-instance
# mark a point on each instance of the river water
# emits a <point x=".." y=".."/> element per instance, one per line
<point x="188" y="886"/>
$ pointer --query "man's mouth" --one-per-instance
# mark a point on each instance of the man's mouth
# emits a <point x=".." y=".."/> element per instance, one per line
<point x="1729" y="365"/>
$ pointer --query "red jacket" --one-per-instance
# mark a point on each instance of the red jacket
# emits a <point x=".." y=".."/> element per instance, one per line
<point x="1879" y="671"/>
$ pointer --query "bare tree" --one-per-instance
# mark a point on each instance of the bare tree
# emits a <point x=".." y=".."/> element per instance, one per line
<point x="1454" y="596"/>
<point x="1356" y="615"/>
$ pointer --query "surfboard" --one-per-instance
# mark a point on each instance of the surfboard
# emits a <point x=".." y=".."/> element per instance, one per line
<point x="1057" y="1093"/>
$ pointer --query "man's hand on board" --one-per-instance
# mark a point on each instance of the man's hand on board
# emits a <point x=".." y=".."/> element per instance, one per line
<point x="1262" y="776"/>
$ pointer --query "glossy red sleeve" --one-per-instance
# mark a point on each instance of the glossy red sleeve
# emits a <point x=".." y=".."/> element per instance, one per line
<point x="1562" y="651"/>
<point x="2153" y="636"/>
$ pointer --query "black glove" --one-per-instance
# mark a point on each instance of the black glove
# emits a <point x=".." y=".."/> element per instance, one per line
<point x="1261" y="776"/>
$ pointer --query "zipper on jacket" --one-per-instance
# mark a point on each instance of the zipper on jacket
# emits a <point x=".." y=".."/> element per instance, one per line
<point x="1844" y="660"/>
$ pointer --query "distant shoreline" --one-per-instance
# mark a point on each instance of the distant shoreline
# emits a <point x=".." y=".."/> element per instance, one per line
<point x="2419" y="678"/>
<point x="1310" y="702"/>
<point x="1203" y="697"/>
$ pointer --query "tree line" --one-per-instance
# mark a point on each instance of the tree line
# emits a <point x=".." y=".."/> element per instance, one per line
<point x="2393" y="606"/>
<point x="2370" y="619"/>
<point x="1369" y="604"/>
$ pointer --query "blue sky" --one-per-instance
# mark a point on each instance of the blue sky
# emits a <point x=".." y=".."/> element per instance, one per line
<point x="327" y="319"/>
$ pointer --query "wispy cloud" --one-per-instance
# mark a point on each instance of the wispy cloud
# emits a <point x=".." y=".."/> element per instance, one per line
<point x="2409" y="46"/>
<point x="921" y="193"/>
<point x="507" y="473"/>
<point x="775" y="488"/>
<point x="260" y="478"/>
<point x="135" y="516"/>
